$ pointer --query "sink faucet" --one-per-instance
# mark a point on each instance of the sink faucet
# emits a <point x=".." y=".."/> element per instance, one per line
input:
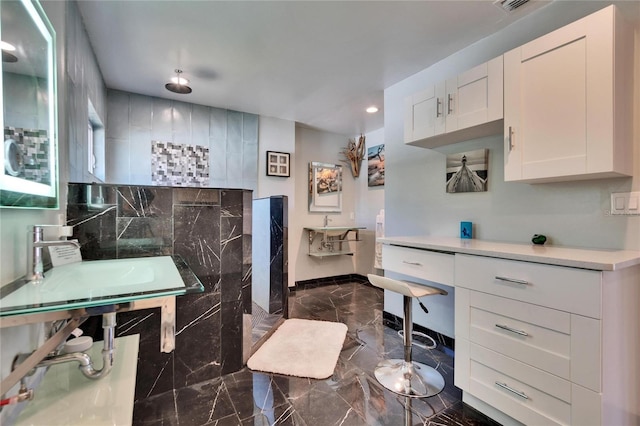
<point x="35" y="267"/>
<point x="326" y="220"/>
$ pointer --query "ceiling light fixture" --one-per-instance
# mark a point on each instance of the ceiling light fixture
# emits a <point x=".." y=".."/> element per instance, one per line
<point x="6" y="48"/>
<point x="372" y="109"/>
<point x="178" y="84"/>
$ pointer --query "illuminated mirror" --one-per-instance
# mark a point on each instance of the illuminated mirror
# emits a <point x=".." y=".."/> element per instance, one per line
<point x="28" y="158"/>
<point x="325" y="187"/>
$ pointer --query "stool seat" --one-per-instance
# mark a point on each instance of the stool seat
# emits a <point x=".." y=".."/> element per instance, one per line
<point x="405" y="376"/>
<point x="406" y="288"/>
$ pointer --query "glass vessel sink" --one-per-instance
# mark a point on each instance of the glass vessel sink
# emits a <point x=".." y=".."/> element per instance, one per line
<point x="98" y="283"/>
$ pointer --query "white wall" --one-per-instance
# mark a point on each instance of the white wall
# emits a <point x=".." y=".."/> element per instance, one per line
<point x="370" y="200"/>
<point x="278" y="135"/>
<point x="15" y="222"/>
<point x="569" y="213"/>
<point x="314" y="145"/>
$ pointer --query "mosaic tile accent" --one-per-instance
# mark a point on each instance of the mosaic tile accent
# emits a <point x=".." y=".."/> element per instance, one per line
<point x="179" y="165"/>
<point x="34" y="144"/>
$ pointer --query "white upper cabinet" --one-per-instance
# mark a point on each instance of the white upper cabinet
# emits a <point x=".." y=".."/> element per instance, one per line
<point x="424" y="114"/>
<point x="467" y="106"/>
<point x="568" y="102"/>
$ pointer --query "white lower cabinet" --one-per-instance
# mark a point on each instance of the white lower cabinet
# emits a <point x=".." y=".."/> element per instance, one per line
<point x="541" y="365"/>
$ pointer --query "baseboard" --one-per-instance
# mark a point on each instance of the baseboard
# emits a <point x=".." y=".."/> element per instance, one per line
<point x="445" y="343"/>
<point x="335" y="280"/>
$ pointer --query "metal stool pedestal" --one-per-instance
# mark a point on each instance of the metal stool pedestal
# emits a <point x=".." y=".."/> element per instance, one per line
<point x="404" y="376"/>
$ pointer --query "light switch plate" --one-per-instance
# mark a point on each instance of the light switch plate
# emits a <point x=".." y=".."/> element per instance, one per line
<point x="625" y="203"/>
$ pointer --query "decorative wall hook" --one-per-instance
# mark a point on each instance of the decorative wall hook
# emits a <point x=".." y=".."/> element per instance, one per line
<point x="354" y="153"/>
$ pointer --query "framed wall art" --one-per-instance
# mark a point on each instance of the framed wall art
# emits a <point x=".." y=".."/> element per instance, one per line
<point x="468" y="171"/>
<point x="278" y="164"/>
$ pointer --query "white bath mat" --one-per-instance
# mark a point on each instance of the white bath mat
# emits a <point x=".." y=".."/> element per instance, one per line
<point x="302" y="348"/>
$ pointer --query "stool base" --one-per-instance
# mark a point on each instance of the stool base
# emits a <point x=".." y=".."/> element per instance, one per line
<point x="412" y="379"/>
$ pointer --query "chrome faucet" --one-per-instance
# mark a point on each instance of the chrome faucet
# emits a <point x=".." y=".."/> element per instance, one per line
<point x="35" y="266"/>
<point x="326" y="220"/>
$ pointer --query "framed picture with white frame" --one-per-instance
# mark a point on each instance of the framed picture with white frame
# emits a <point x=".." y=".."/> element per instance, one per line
<point x="278" y="164"/>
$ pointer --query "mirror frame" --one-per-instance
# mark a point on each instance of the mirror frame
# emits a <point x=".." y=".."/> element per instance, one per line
<point x="314" y="206"/>
<point x="21" y="193"/>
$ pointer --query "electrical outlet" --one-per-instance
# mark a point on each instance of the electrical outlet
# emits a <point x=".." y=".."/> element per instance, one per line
<point x="625" y="203"/>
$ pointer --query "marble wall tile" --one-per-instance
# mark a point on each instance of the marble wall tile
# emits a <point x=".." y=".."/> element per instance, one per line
<point x="231" y="337"/>
<point x="207" y="228"/>
<point x="144" y="201"/>
<point x="196" y="196"/>
<point x="155" y="373"/>
<point x="197" y="240"/>
<point x="198" y="340"/>
<point x="144" y="236"/>
<point x="95" y="229"/>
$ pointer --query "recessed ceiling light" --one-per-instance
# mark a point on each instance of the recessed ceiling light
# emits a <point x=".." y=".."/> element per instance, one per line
<point x="372" y="109"/>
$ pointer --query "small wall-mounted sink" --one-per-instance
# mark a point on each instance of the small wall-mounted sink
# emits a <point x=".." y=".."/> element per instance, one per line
<point x="332" y="231"/>
<point x="101" y="282"/>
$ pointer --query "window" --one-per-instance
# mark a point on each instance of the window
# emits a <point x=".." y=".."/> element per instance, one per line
<point x="95" y="145"/>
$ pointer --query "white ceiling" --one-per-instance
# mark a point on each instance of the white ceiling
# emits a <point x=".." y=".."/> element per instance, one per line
<point x="317" y="63"/>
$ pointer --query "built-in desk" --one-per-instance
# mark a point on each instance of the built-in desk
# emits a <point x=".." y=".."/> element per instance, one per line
<point x="543" y="335"/>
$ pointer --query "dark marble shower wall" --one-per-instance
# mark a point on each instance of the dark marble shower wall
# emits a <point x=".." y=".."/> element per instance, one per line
<point x="211" y="230"/>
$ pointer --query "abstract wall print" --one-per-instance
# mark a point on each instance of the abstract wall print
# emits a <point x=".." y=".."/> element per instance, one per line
<point x="278" y="164"/>
<point x="174" y="164"/>
<point x="468" y="171"/>
<point x="375" y="166"/>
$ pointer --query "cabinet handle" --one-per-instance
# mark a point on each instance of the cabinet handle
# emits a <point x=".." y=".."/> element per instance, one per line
<point x="512" y="390"/>
<point x="449" y="103"/>
<point x="513" y="330"/>
<point x="438" y="105"/>
<point x="511" y="144"/>
<point x="512" y="280"/>
<point x="412" y="263"/>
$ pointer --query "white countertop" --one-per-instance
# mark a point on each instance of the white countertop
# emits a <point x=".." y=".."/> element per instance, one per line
<point x="597" y="259"/>
<point x="66" y="397"/>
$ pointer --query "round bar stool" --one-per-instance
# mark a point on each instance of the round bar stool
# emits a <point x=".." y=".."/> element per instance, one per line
<point x="404" y="376"/>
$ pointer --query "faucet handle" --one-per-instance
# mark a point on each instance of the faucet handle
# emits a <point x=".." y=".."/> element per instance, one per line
<point x="63" y="230"/>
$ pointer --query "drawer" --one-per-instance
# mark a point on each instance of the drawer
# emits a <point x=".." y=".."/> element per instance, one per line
<point x="424" y="264"/>
<point x="567" y="289"/>
<point x="523" y="392"/>
<point x="533" y="334"/>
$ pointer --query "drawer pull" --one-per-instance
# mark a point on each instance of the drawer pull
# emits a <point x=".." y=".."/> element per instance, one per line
<point x="513" y="330"/>
<point x="512" y="390"/>
<point x="412" y="263"/>
<point x="512" y="280"/>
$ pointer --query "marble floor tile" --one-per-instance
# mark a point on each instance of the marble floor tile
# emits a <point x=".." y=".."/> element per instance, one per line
<point x="350" y="397"/>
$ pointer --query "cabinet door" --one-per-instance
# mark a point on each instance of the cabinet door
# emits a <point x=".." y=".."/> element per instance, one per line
<point x="559" y="103"/>
<point x="424" y="115"/>
<point x="475" y="96"/>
